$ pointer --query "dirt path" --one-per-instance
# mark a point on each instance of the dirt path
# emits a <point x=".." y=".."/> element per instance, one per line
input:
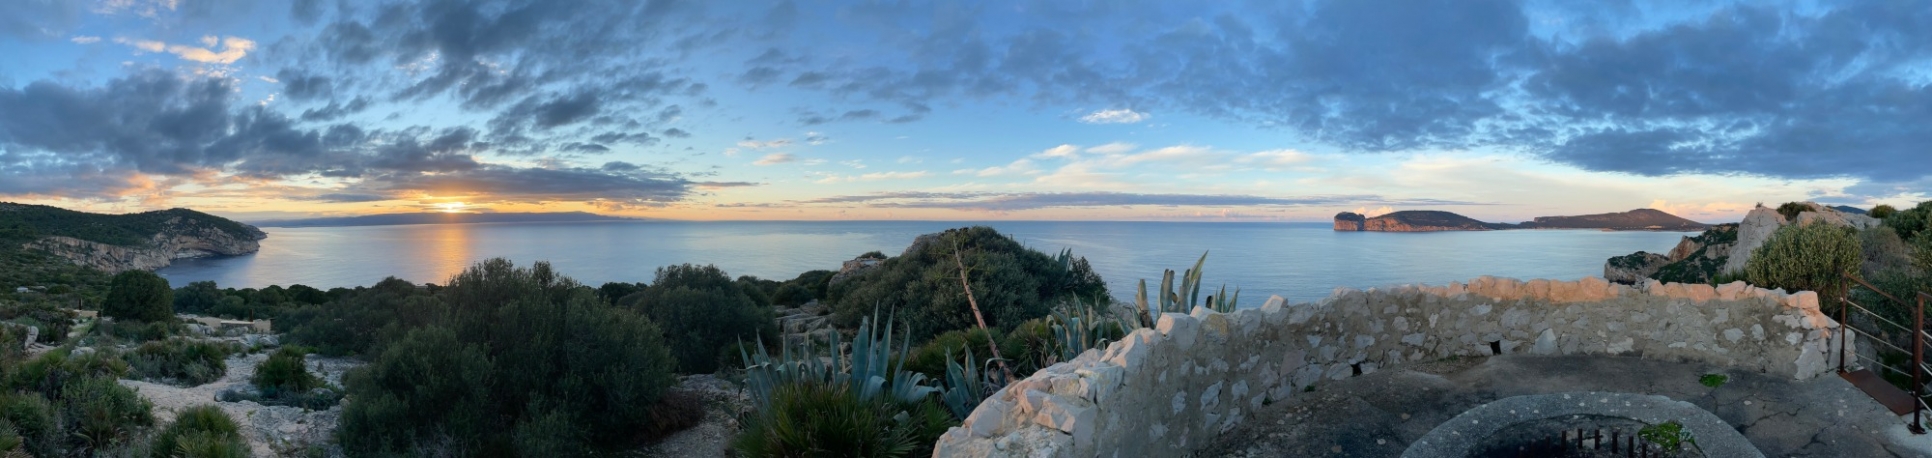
<point x="268" y="429"/>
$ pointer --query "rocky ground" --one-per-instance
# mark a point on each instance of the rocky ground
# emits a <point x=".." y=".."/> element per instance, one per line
<point x="270" y="430"/>
<point x="1379" y="414"/>
<point x="712" y="438"/>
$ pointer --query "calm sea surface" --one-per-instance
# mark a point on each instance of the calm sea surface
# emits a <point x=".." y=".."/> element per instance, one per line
<point x="1300" y="261"/>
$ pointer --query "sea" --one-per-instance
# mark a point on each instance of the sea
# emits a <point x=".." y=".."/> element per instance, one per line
<point x="1299" y="261"/>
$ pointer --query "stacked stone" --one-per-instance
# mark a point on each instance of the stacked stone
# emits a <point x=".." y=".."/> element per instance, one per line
<point x="1165" y="390"/>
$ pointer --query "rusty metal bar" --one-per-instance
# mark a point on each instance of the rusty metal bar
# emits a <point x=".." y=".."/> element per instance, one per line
<point x="1918" y="359"/>
<point x="1844" y="324"/>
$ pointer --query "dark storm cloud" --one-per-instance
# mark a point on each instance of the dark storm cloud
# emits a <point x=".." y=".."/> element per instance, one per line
<point x="299" y="86"/>
<point x="537" y="184"/>
<point x="1038" y="200"/>
<point x="1751" y="88"/>
<point x="99" y="142"/>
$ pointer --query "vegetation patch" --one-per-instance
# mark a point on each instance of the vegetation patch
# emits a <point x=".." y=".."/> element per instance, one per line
<point x="1713" y="380"/>
<point x="181" y="361"/>
<point x="202" y="431"/>
<point x="1670" y="435"/>
<point x="702" y="311"/>
<point x="1011" y="283"/>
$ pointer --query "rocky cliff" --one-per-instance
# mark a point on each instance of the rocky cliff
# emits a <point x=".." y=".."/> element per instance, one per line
<point x="1724" y="249"/>
<point x="115" y="243"/>
<point x="1349" y="221"/>
<point x="1413" y="221"/>
<point x="1635" y="220"/>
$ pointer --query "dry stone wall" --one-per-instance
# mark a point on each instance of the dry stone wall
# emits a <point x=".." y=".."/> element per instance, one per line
<point x="1167" y="390"/>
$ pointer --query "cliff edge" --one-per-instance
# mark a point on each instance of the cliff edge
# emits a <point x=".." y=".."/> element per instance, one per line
<point x="115" y="243"/>
<point x="1413" y="221"/>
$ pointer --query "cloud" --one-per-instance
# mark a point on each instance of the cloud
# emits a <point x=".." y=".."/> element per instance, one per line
<point x="1119" y="116"/>
<point x="748" y="142"/>
<point x="775" y="159"/>
<point x="1280" y="158"/>
<point x="1039" y="200"/>
<point x="232" y="49"/>
<point x="875" y="176"/>
<point x="1112" y="148"/>
<point x="85" y="39"/>
<point x="1058" y="152"/>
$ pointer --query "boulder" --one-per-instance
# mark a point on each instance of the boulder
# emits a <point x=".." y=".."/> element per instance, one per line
<point x="1751" y="234"/>
<point x="1634" y="267"/>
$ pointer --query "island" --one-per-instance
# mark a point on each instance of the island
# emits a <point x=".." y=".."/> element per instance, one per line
<point x="1643" y="219"/>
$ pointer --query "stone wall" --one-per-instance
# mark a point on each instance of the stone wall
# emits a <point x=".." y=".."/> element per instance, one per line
<point x="1167" y="390"/>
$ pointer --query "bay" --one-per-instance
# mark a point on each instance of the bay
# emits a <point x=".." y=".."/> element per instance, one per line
<point x="1300" y="261"/>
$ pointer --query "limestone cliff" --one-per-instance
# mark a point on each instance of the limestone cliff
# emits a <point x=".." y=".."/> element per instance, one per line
<point x="1413" y="221"/>
<point x="1763" y="221"/>
<point x="115" y="243"/>
<point x="1349" y="221"/>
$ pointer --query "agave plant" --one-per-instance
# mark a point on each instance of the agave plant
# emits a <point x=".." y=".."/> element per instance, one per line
<point x="1171" y="301"/>
<point x="874" y="369"/>
<point x="967" y="385"/>
<point x="1079" y="327"/>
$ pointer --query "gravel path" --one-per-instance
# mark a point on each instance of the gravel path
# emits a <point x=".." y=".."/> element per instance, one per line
<point x="267" y="428"/>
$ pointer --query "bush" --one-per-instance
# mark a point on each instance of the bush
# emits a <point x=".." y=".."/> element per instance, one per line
<point x="811" y="419"/>
<point x="135" y="331"/>
<point x="50" y="371"/>
<point x="285" y="371"/>
<point x="32" y="418"/>
<point x="139" y="295"/>
<point x="53" y="321"/>
<point x="181" y="361"/>
<point x="1011" y="283"/>
<point x="199" y="298"/>
<point x="343" y="327"/>
<point x="1910" y="222"/>
<point x="200" y="431"/>
<point x="516" y="351"/>
<point x="1030" y="346"/>
<point x="1882" y="211"/>
<point x="1790" y="210"/>
<point x="930" y="359"/>
<point x="702" y="310"/>
<point x="677" y="410"/>
<point x="1806" y="257"/>
<point x="101" y="413"/>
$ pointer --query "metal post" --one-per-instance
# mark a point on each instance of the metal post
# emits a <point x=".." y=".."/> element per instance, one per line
<point x="1918" y="361"/>
<point x="1844" y="327"/>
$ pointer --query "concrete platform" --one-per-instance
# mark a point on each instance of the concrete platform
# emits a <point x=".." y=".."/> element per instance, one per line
<point x="1380" y="414"/>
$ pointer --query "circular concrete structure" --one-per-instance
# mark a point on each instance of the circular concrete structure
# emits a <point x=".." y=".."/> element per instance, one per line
<point x="1459" y="437"/>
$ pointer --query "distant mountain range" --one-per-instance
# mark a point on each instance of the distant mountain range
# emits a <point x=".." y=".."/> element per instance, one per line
<point x="1435" y="221"/>
<point x="393" y="219"/>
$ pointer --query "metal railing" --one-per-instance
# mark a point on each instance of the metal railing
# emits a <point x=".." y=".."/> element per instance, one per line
<point x="1917" y="368"/>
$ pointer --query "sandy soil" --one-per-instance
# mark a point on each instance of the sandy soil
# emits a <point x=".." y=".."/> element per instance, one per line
<point x="270" y="430"/>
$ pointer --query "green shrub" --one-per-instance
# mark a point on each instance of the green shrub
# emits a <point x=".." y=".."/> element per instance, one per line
<point x="811" y="419"/>
<point x="202" y="444"/>
<point x="285" y="371"/>
<point x="930" y="359"/>
<point x="50" y="371"/>
<point x="33" y="419"/>
<point x="508" y="339"/>
<point x="139" y="295"/>
<point x="677" y="410"/>
<point x="701" y="311"/>
<point x="1011" y="283"/>
<point x="1910" y="222"/>
<point x="108" y="333"/>
<point x="1030" y="346"/>
<point x="199" y="431"/>
<point x="54" y="322"/>
<point x="1883" y="211"/>
<point x="182" y="361"/>
<point x="101" y="412"/>
<point x="1790" y="210"/>
<point x="1806" y="257"/>
<point x="343" y="326"/>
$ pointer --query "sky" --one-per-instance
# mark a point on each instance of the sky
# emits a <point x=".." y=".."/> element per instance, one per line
<point x="979" y="110"/>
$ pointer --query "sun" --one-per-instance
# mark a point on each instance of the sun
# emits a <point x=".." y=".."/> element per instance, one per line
<point x="451" y="207"/>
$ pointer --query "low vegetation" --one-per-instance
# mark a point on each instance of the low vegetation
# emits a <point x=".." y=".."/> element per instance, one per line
<point x="202" y="431"/>
<point x="1011" y="282"/>
<point x="61" y="404"/>
<point x="1807" y="257"/>
<point x="180" y="361"/>
<point x="509" y="361"/>
<point x="702" y="311"/>
<point x="139" y="295"/>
